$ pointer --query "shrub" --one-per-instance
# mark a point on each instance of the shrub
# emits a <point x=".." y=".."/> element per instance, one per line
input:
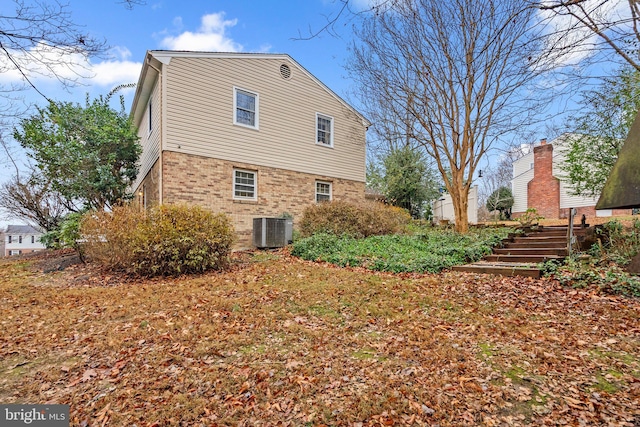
<point x="65" y="235"/>
<point x="367" y="219"/>
<point x="621" y="243"/>
<point x="166" y="240"/>
<point x="604" y="269"/>
<point x="529" y="217"/>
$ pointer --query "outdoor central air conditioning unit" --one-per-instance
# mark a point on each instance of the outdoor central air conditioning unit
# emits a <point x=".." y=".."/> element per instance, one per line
<point x="272" y="232"/>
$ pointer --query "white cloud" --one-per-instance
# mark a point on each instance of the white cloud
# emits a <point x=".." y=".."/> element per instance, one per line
<point x="42" y="62"/>
<point x="578" y="42"/>
<point x="113" y="73"/>
<point x="43" y="65"/>
<point x="211" y="36"/>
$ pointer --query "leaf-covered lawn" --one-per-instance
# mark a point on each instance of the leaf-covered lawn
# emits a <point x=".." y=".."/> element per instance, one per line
<point x="280" y="341"/>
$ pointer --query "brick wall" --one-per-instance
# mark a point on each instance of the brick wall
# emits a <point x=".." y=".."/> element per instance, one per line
<point x="590" y="212"/>
<point x="543" y="191"/>
<point x="209" y="183"/>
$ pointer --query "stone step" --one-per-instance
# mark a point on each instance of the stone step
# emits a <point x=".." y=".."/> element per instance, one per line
<point x="533" y="251"/>
<point x="522" y="258"/>
<point x="500" y="268"/>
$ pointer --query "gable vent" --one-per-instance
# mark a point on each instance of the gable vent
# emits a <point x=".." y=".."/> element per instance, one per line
<point x="285" y="71"/>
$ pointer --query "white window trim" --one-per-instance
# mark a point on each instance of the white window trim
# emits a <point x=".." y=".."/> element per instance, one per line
<point x="255" y="185"/>
<point x="324" y="116"/>
<point x="235" y="108"/>
<point x="330" y="184"/>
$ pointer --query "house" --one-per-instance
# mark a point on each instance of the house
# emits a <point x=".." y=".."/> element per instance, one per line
<point x="250" y="135"/>
<point x="442" y="208"/>
<point x="21" y="239"/>
<point x="538" y="182"/>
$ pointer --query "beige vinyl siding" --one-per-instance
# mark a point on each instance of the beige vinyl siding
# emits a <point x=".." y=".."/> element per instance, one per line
<point x="199" y="117"/>
<point x="150" y="141"/>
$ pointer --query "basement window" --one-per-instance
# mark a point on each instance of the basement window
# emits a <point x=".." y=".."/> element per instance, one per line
<point x="244" y="185"/>
<point x="323" y="191"/>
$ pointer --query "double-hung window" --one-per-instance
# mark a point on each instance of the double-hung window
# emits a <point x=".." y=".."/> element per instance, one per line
<point x="324" y="130"/>
<point x="245" y="106"/>
<point x="244" y="185"/>
<point x="323" y="191"/>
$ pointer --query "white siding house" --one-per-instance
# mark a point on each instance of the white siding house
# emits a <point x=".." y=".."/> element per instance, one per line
<point x="558" y="196"/>
<point x="443" y="207"/>
<point x="21" y="239"/>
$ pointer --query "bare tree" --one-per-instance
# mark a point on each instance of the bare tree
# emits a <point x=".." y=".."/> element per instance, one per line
<point x="462" y="70"/>
<point x="587" y="27"/>
<point x="32" y="200"/>
<point x="40" y="38"/>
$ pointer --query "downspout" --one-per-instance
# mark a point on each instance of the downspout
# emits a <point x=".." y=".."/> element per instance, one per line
<point x="161" y="136"/>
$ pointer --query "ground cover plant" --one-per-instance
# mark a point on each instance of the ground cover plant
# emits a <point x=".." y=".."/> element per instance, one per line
<point x="280" y="341"/>
<point x="427" y="250"/>
<point x="604" y="267"/>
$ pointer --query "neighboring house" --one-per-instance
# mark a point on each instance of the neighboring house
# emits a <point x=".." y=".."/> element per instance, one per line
<point x="538" y="182"/>
<point x="443" y="207"/>
<point x="21" y="239"/>
<point x="250" y="135"/>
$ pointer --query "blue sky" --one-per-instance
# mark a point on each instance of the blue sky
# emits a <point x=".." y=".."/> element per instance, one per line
<point x="274" y="26"/>
<point x="221" y="25"/>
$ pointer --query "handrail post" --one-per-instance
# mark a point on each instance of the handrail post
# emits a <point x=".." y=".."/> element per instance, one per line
<point x="570" y="236"/>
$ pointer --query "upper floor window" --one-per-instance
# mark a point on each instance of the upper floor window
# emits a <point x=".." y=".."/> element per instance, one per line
<point x="9" y="241"/>
<point x="245" y="106"/>
<point x="323" y="191"/>
<point x="19" y="239"/>
<point x="244" y="184"/>
<point x="33" y="239"/>
<point x="324" y="130"/>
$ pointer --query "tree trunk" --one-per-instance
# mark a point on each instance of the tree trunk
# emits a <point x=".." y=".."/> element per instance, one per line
<point x="460" y="204"/>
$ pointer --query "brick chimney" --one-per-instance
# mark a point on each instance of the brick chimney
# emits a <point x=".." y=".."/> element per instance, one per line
<point x="543" y="191"/>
